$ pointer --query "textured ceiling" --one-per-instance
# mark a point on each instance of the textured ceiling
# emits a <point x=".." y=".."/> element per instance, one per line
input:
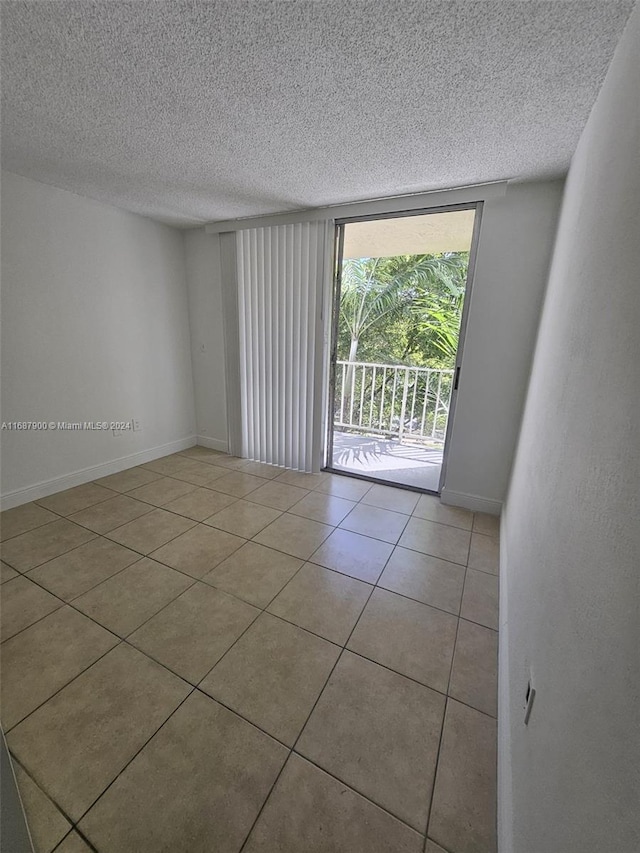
<point x="196" y="111"/>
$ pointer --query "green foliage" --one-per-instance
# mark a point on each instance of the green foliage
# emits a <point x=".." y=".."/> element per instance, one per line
<point x="402" y="310"/>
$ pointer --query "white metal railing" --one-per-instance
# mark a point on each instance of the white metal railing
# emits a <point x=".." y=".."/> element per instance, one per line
<point x="393" y="400"/>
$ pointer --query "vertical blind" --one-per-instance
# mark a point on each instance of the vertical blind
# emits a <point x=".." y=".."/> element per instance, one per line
<point x="282" y="271"/>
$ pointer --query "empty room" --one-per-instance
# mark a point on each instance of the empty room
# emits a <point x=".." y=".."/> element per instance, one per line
<point x="320" y="434"/>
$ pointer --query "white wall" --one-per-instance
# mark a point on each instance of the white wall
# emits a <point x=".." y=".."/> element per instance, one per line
<point x="94" y="327"/>
<point x="515" y="248"/>
<point x="570" y="780"/>
<point x="207" y="336"/>
<point x="514" y="251"/>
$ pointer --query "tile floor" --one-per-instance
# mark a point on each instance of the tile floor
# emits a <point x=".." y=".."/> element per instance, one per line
<point x="209" y="654"/>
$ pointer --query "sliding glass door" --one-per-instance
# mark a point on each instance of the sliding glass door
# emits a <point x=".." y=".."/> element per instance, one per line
<point x="402" y="285"/>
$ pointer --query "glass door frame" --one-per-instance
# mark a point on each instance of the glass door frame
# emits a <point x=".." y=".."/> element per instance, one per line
<point x="340" y="224"/>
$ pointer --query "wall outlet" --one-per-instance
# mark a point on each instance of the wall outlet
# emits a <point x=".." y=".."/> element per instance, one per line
<point x="530" y="695"/>
<point x="137" y="425"/>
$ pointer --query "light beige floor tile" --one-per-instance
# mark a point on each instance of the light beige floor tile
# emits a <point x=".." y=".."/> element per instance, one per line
<point x="162" y="491"/>
<point x="73" y="500"/>
<point x="23" y="518"/>
<point x="294" y="535"/>
<point x="278" y="495"/>
<point x="438" y="540"/>
<point x="30" y="549"/>
<point x="424" y="578"/>
<point x="126" y="600"/>
<point x="373" y="521"/>
<point x="168" y="465"/>
<point x="480" y="599"/>
<point x="463" y="814"/>
<point x="273" y="676"/>
<point x="151" y="531"/>
<point x="379" y="733"/>
<point x="411" y="638"/>
<point x="302" y="480"/>
<point x="331" y="818"/>
<point x="191" y="634"/>
<point x="261" y="469"/>
<point x="212" y="771"/>
<point x="199" y="473"/>
<point x="244" y="518"/>
<point x="125" y="481"/>
<point x="198" y="550"/>
<point x="430" y="508"/>
<point x="201" y="453"/>
<point x="388" y="497"/>
<point x="78" y="571"/>
<point x="352" y="554"/>
<point x="7" y="573"/>
<point x="238" y="484"/>
<point x="344" y="487"/>
<point x="40" y="660"/>
<point x="73" y="843"/>
<point x="322" y="601"/>
<point x="254" y="573"/>
<point x="47" y="824"/>
<point x="232" y="463"/>
<point x="487" y="524"/>
<point x="76" y="743"/>
<point x="474" y="679"/>
<point x="484" y="553"/>
<point x="110" y="514"/>
<point x="200" y="504"/>
<point x="328" y="509"/>
<point x="432" y="847"/>
<point x="23" y="603"/>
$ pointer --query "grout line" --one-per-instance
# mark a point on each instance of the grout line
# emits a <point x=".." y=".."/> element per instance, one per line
<point x="104" y="532"/>
<point x="443" y="523"/>
<point x="112" y="494"/>
<point x="61" y="554"/>
<point x="444" y="849"/>
<point x="209" y="522"/>
<point x="27" y="772"/>
<point x="82" y="836"/>
<point x="261" y="610"/>
<point x="292" y="749"/>
<point x="435" y="772"/>
<point x="31" y="529"/>
<point x="184" y="678"/>
<point x="209" y="583"/>
<point x="134" y="756"/>
<point x="67" y="683"/>
<point x="485" y="572"/>
<point x="40" y="618"/>
<point x="359" y="793"/>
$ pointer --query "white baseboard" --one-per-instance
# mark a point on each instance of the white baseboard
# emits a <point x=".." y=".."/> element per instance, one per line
<point x="212" y="443"/>
<point x="94" y="472"/>
<point x="505" y="795"/>
<point x="473" y="502"/>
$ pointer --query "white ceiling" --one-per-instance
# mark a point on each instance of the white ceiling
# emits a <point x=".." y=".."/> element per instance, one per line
<point x="196" y="111"/>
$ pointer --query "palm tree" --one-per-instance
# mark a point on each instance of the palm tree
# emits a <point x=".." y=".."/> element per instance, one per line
<point x="378" y="291"/>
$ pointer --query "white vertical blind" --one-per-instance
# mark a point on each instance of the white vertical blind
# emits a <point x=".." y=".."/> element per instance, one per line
<point x="282" y="273"/>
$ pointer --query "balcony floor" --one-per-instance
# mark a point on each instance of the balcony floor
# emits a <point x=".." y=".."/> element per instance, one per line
<point x="387" y="459"/>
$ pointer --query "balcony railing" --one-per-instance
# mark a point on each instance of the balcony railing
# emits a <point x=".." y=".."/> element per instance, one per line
<point x="405" y="403"/>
